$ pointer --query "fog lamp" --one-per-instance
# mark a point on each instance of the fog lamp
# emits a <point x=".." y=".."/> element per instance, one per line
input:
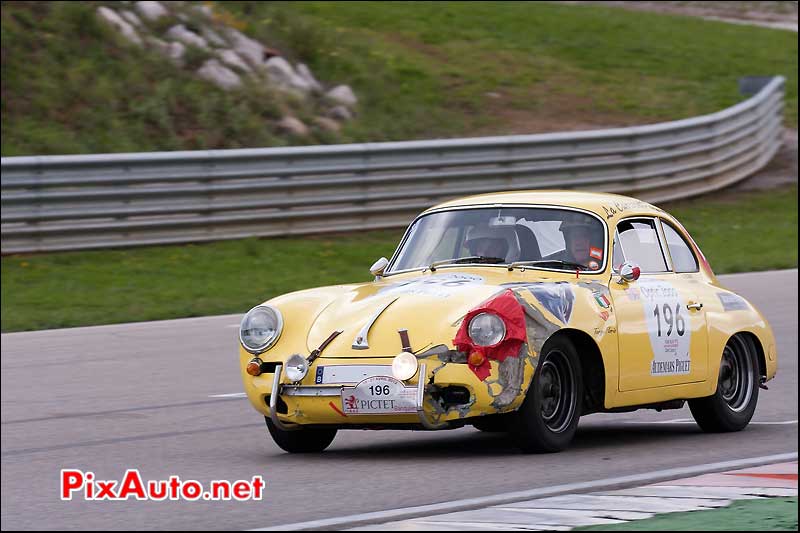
<point x="296" y="368"/>
<point x="404" y="366"/>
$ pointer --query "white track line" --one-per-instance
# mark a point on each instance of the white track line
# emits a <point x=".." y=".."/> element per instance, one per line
<point x="231" y="395"/>
<point x="691" y="421"/>
<point x="509" y="497"/>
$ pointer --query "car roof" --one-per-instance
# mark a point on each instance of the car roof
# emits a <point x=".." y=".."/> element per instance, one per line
<point x="608" y="206"/>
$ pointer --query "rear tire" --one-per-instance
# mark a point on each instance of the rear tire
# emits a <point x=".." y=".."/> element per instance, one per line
<point x="732" y="406"/>
<point x="301" y="440"/>
<point x="548" y="418"/>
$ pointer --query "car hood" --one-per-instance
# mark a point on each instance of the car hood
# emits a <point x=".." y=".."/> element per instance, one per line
<point x="429" y="306"/>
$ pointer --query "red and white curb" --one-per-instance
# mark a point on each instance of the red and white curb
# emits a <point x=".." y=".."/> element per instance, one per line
<point x="561" y="513"/>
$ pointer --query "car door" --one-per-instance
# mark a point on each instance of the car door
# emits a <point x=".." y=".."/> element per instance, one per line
<point x="662" y="332"/>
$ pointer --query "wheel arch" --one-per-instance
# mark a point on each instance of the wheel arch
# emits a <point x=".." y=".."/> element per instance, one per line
<point x="592" y="368"/>
<point x="713" y="371"/>
<point x="762" y="359"/>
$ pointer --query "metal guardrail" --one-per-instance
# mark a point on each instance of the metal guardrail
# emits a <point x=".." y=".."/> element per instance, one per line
<point x="108" y="200"/>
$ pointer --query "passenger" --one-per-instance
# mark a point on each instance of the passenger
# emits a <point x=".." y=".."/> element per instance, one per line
<point x="581" y="246"/>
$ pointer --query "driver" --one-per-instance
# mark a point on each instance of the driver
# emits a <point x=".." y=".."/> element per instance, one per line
<point x="484" y="241"/>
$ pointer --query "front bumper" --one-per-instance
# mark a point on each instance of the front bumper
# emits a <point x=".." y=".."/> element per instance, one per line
<point x="450" y="393"/>
<point x="334" y="391"/>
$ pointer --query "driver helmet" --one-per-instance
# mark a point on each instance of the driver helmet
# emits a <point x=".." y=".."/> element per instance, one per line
<point x="500" y="241"/>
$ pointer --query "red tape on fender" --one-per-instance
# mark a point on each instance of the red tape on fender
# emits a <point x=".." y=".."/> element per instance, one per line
<point x="510" y="311"/>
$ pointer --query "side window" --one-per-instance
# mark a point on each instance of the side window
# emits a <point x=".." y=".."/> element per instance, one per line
<point x="683" y="260"/>
<point x="618" y="256"/>
<point x="639" y="241"/>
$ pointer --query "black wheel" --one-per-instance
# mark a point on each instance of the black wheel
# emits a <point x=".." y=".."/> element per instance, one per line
<point x="732" y="406"/>
<point x="301" y="440"/>
<point x="548" y="418"/>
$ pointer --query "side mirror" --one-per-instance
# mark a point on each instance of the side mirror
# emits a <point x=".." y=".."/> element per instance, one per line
<point x="378" y="267"/>
<point x="628" y="272"/>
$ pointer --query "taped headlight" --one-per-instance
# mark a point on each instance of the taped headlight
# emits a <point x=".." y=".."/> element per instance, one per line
<point x="296" y="368"/>
<point x="404" y="366"/>
<point x="260" y="328"/>
<point x="486" y="329"/>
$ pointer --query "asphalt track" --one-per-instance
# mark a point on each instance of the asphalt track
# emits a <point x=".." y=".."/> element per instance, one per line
<point x="147" y="396"/>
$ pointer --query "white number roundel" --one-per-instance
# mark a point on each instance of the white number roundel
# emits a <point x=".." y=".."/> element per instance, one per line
<point x="667" y="326"/>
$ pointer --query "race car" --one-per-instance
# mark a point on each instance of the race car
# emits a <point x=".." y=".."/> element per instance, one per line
<point x="517" y="312"/>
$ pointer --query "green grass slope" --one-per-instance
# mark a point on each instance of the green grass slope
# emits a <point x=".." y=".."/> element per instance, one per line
<point x="420" y="69"/>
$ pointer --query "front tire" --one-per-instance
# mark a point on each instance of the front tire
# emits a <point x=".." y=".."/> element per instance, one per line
<point x="732" y="406"/>
<point x="301" y="440"/>
<point x="548" y="418"/>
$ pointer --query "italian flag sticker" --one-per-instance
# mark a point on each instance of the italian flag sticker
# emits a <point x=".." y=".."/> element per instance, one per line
<point x="597" y="253"/>
<point x="602" y="301"/>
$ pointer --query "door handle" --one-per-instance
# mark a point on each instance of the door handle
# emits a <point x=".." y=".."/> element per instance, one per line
<point x="695" y="306"/>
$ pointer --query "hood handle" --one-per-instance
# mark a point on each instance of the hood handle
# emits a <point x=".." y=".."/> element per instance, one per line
<point x="317" y="351"/>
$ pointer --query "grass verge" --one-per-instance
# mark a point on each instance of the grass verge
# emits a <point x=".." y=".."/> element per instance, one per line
<point x="773" y="514"/>
<point x="754" y="231"/>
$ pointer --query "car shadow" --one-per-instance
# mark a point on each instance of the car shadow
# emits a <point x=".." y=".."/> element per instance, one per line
<point x="467" y="442"/>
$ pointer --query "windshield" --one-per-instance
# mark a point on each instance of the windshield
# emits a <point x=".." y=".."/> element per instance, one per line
<point x="562" y="238"/>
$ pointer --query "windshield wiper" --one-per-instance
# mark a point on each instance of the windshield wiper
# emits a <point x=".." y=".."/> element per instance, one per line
<point x="576" y="266"/>
<point x="468" y="259"/>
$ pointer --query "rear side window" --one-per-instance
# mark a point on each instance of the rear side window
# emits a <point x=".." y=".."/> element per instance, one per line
<point x="640" y="244"/>
<point x="683" y="260"/>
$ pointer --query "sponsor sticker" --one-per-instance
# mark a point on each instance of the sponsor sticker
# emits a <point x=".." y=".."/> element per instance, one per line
<point x="732" y="302"/>
<point x="602" y="300"/>
<point x="597" y="253"/>
<point x="594" y="265"/>
<point x="439" y="285"/>
<point x="379" y="395"/>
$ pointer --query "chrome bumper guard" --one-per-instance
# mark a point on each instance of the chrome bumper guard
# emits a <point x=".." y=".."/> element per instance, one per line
<point x="335" y="390"/>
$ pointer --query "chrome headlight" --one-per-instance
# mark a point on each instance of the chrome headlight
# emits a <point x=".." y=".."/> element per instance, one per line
<point x="404" y="366"/>
<point x="486" y="329"/>
<point x="296" y="368"/>
<point x="260" y="328"/>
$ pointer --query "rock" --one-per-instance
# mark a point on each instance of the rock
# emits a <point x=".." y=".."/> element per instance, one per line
<point x="232" y="58"/>
<point x="124" y="28"/>
<point x="246" y="47"/>
<point x="176" y="52"/>
<point x="327" y="124"/>
<point x="218" y="74"/>
<point x="340" y="112"/>
<point x="343" y="95"/>
<point x="173" y="50"/>
<point x="493" y="95"/>
<point x="131" y="17"/>
<point x="281" y="73"/>
<point x="213" y="37"/>
<point x="151" y="10"/>
<point x="204" y="9"/>
<point x="293" y="126"/>
<point x="304" y="72"/>
<point x="179" y="32"/>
